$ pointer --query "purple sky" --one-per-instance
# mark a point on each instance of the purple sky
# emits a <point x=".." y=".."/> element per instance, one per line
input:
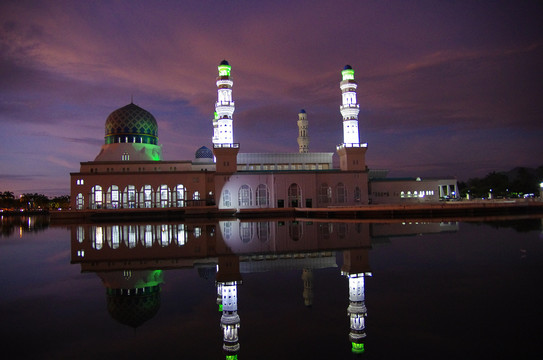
<point x="446" y="88"/>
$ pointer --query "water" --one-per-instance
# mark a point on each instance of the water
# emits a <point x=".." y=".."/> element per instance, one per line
<point x="425" y="289"/>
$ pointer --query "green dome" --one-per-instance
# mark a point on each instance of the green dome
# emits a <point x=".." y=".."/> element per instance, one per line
<point x="131" y="124"/>
<point x="134" y="308"/>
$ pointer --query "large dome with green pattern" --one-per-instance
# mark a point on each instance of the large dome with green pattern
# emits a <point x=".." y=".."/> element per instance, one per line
<point x="131" y="124"/>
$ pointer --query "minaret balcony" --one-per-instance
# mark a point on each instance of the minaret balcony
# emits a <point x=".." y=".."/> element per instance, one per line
<point x="351" y="145"/>
<point x="224" y="80"/>
<point x="222" y="110"/>
<point x="346" y="84"/>
<point x="349" y="111"/>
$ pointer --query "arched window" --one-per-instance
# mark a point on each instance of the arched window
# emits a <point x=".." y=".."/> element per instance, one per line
<point x="112" y="197"/>
<point x="96" y="200"/>
<point x="146" y="196"/>
<point x="294" y="195"/>
<point x="226" y="198"/>
<point x="130" y="236"/>
<point x="295" y="230"/>
<point x="164" y="235"/>
<point x="196" y="195"/>
<point x="263" y="231"/>
<point x="325" y="193"/>
<point x="129" y="197"/>
<point x="79" y="202"/>
<point x="96" y="237"/>
<point x="163" y="196"/>
<point x="262" y="196"/>
<point x="113" y="236"/>
<point x="357" y="194"/>
<point x="340" y="193"/>
<point x="227" y="230"/>
<point x="180" y="191"/>
<point x="246" y="232"/>
<point x="146" y="235"/>
<point x="245" y="196"/>
<point x="181" y="234"/>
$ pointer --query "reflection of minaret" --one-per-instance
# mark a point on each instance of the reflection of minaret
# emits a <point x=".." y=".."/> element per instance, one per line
<point x="303" y="138"/>
<point x="356" y="268"/>
<point x="133" y="297"/>
<point x="307" y="277"/>
<point x="228" y="278"/>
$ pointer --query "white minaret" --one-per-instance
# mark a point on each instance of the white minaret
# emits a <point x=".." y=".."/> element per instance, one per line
<point x="349" y="107"/>
<point x="303" y="138"/>
<point x="223" y="129"/>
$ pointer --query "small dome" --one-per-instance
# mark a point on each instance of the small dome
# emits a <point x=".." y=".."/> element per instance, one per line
<point x="203" y="153"/>
<point x="131" y="124"/>
<point x="224" y="62"/>
<point x="302" y="111"/>
<point x="347" y="67"/>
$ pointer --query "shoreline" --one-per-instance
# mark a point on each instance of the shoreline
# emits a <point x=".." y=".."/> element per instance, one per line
<point x="388" y="211"/>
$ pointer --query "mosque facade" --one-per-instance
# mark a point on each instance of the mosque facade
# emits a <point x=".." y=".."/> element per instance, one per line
<point x="129" y="172"/>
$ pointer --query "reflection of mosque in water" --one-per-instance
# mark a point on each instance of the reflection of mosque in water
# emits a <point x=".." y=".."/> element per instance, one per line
<point x="130" y="260"/>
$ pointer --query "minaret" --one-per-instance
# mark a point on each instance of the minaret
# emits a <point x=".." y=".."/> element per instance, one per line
<point x="303" y="138"/>
<point x="352" y="154"/>
<point x="223" y="129"/>
<point x="349" y="107"/>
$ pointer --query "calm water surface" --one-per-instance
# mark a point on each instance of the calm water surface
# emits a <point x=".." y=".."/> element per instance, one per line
<point x="439" y="290"/>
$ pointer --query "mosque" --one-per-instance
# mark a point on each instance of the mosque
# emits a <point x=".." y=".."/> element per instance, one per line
<point x="129" y="172"/>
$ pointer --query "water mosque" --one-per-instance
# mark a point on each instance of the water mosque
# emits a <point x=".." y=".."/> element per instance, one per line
<point x="129" y="172"/>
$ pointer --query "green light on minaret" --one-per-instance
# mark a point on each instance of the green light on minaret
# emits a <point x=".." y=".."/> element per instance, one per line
<point x="224" y="70"/>
<point x="216" y="116"/>
<point x="357" y="348"/>
<point x="232" y="357"/>
<point x="348" y="74"/>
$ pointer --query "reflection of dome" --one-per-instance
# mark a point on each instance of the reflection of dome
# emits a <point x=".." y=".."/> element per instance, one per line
<point x="131" y="124"/>
<point x="203" y="153"/>
<point x="135" y="306"/>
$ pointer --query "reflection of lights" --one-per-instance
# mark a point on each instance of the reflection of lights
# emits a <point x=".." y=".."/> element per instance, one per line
<point x="358" y="348"/>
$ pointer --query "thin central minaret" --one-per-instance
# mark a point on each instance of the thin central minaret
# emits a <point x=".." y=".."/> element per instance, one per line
<point x="223" y="128"/>
<point x="303" y="138"/>
<point x="349" y="107"/>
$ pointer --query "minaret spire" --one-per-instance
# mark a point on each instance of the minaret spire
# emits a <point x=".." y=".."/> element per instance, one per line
<point x="223" y="129"/>
<point x="349" y="107"/>
<point x="303" y="138"/>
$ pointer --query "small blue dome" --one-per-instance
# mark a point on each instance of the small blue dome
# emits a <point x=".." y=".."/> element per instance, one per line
<point x="203" y="153"/>
<point x="224" y="62"/>
<point x="347" y="67"/>
<point x="302" y="111"/>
